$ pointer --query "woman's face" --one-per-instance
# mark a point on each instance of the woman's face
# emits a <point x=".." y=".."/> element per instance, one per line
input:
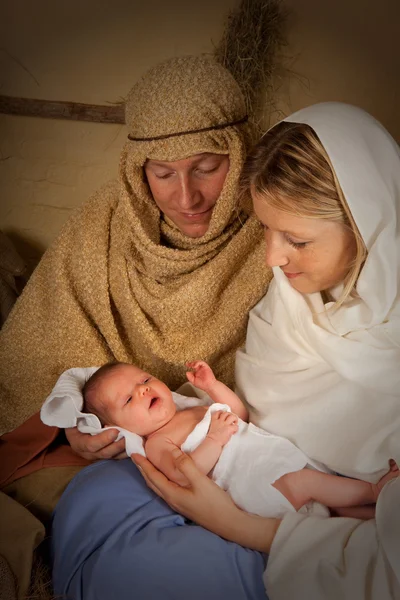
<point x="186" y="190"/>
<point x="314" y="254"/>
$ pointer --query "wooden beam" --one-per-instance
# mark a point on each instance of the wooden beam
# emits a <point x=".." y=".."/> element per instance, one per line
<point x="54" y="109"/>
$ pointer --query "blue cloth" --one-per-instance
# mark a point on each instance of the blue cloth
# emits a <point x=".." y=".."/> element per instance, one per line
<point x="112" y="537"/>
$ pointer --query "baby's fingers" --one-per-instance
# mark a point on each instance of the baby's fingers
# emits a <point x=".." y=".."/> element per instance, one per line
<point x="229" y="418"/>
<point x="190" y="376"/>
<point x="193" y="364"/>
<point x="215" y="416"/>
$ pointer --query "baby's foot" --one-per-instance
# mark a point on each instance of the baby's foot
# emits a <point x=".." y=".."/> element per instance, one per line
<point x="392" y="474"/>
<point x="365" y="512"/>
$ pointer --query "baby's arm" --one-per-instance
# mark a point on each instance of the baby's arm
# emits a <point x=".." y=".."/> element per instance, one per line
<point x="337" y="492"/>
<point x="201" y="376"/>
<point x="159" y="449"/>
<point x="223" y="425"/>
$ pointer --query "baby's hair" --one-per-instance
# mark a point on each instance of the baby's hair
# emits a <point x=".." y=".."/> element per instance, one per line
<point x="291" y="171"/>
<point x="90" y="387"/>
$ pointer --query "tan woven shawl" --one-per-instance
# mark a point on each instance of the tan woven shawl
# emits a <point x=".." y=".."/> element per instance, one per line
<point x="120" y="282"/>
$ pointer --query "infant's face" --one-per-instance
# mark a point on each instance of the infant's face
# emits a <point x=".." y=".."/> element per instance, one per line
<point x="134" y="400"/>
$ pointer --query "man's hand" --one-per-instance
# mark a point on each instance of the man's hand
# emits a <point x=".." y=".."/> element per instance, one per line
<point x="96" y="447"/>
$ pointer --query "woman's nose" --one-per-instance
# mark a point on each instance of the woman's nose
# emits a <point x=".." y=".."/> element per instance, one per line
<point x="275" y="254"/>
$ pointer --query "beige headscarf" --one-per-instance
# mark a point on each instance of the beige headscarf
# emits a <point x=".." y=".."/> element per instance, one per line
<point x="123" y="283"/>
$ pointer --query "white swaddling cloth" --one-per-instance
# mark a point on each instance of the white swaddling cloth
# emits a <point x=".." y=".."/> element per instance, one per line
<point x="63" y="408"/>
<point x="250" y="463"/>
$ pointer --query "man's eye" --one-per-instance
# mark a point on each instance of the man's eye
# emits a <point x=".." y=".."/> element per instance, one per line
<point x="207" y="170"/>
<point x="163" y="175"/>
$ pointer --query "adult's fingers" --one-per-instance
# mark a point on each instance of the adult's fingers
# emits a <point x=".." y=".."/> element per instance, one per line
<point x="156" y="480"/>
<point x="111" y="451"/>
<point x="187" y="467"/>
<point x="121" y="456"/>
<point x="153" y="487"/>
<point x="201" y="501"/>
<point x="182" y="462"/>
<point x="84" y="442"/>
<point x="98" y="442"/>
<point x="95" y="447"/>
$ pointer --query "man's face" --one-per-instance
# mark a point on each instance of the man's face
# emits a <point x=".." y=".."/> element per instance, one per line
<point x="186" y="190"/>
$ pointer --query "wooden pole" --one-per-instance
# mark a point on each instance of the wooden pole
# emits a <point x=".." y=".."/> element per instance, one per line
<point x="54" y="109"/>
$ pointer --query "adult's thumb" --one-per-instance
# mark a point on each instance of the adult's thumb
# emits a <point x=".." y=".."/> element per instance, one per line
<point x="185" y="464"/>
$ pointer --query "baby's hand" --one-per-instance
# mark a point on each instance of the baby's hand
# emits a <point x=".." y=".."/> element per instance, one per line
<point x="201" y="375"/>
<point x="222" y="427"/>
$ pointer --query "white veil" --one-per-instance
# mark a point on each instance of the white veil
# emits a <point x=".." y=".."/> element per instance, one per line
<point x="330" y="381"/>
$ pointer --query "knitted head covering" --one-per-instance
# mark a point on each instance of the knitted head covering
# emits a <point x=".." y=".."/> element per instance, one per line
<point x="183" y="98"/>
<point x="123" y="283"/>
<point x="182" y="107"/>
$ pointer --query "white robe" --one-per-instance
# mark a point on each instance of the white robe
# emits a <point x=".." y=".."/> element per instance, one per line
<point x="332" y="559"/>
<point x="330" y="381"/>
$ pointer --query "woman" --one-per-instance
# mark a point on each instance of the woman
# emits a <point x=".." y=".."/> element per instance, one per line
<point x="321" y="364"/>
<point x="157" y="268"/>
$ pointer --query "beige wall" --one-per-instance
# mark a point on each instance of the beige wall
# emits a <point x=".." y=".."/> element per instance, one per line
<point x="93" y="50"/>
<point x="346" y="50"/>
<point x="85" y="51"/>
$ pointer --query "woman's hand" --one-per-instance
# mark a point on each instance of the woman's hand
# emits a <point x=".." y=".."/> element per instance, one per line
<point x="96" y="447"/>
<point x="203" y="502"/>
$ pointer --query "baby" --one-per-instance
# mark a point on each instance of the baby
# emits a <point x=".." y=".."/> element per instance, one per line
<point x="265" y="474"/>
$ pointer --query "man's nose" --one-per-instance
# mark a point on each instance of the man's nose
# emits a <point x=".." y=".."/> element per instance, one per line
<point x="187" y="192"/>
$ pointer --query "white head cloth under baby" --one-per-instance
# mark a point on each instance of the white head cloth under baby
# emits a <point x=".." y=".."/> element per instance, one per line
<point x="63" y="408"/>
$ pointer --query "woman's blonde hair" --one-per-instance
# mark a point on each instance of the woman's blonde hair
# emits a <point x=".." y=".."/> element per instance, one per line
<point x="291" y="171"/>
